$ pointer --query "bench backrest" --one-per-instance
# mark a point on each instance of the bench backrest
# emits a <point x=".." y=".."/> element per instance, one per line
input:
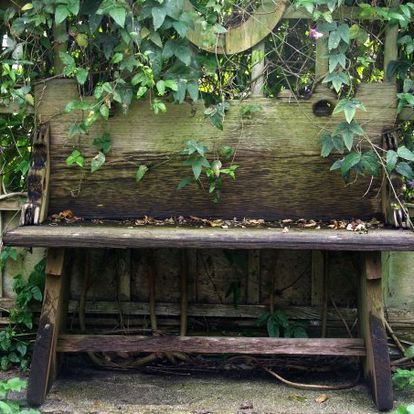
<point x="281" y="173"/>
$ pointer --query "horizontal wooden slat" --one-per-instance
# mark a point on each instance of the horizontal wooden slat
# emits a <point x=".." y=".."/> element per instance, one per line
<point x="4" y="321"/>
<point x="7" y="303"/>
<point x="206" y="310"/>
<point x="234" y="238"/>
<point x="211" y="345"/>
<point x="13" y="108"/>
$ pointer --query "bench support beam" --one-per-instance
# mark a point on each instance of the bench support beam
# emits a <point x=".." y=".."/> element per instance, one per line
<point x="44" y="363"/>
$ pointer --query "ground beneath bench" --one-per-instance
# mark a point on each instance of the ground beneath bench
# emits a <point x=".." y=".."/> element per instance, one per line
<point x="82" y="390"/>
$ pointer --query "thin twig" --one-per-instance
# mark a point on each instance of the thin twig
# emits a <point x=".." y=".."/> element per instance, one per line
<point x="394" y="337"/>
<point x="314" y="387"/>
<point x="10" y="195"/>
<point x="341" y="317"/>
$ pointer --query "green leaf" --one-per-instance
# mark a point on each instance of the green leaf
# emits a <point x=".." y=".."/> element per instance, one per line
<point x="329" y="143"/>
<point x="21" y="348"/>
<point x="156" y="38"/>
<point x="117" y="57"/>
<point x="337" y="79"/>
<point x="169" y="49"/>
<point x="343" y="31"/>
<point x="391" y="160"/>
<point x="97" y="161"/>
<point x="142" y="90"/>
<point x="104" y="143"/>
<point x="405" y="153"/>
<point x="119" y="15"/>
<point x="192" y="89"/>
<point x="409" y="353"/>
<point x="158" y="106"/>
<point x="352" y="159"/>
<point x="104" y="111"/>
<point x="184" y="54"/>
<point x="66" y="59"/>
<point x="184" y="182"/>
<point x="193" y="146"/>
<point x="272" y="328"/>
<point x="335" y="60"/>
<point x="181" y="28"/>
<point x="81" y="75"/>
<point x="75" y="158"/>
<point x="347" y="131"/>
<point x="349" y="107"/>
<point x="61" y="13"/>
<point x="171" y="84"/>
<point x="370" y="163"/>
<point x="16" y="384"/>
<point x="197" y="164"/>
<point x="5" y="408"/>
<point x="405" y="170"/>
<point x="141" y="171"/>
<point x="334" y="40"/>
<point x="158" y="16"/>
<point x="161" y="87"/>
<point x="27" y="6"/>
<point x="74" y="6"/>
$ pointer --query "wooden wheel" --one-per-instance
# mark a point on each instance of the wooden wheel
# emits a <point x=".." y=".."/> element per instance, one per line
<point x="240" y="38"/>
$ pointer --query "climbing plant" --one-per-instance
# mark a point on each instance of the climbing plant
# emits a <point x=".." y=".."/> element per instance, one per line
<point x="16" y="339"/>
<point x="119" y="51"/>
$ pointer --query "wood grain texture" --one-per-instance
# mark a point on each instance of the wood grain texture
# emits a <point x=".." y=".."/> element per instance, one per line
<point x="281" y="173"/>
<point x="36" y="208"/>
<point x="211" y="345"/>
<point x="43" y="368"/>
<point x="151" y="236"/>
<point x="376" y="364"/>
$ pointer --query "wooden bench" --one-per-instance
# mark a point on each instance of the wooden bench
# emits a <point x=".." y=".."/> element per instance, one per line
<point x="281" y="176"/>
<point x="264" y="188"/>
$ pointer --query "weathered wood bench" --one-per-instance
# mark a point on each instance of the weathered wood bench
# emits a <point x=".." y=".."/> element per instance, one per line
<point x="277" y="147"/>
<point x="281" y="176"/>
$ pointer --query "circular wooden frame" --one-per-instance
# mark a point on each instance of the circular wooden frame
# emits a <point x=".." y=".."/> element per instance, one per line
<point x="240" y="38"/>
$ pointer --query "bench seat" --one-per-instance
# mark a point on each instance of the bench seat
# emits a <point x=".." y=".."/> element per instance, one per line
<point x="120" y="236"/>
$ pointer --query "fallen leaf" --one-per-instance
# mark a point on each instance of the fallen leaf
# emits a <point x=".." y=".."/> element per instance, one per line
<point x="321" y="399"/>
<point x="296" y="397"/>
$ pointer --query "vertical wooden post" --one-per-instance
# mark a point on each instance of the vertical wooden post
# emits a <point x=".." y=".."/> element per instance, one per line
<point x="321" y="59"/>
<point x="59" y="45"/>
<point x="390" y="45"/>
<point x="253" y="285"/>
<point x="124" y="274"/>
<point x="320" y="284"/>
<point x="184" y="292"/>
<point x="258" y="68"/>
<point x="390" y="54"/>
<point x="44" y="365"/>
<point x="192" y="274"/>
<point x="376" y="364"/>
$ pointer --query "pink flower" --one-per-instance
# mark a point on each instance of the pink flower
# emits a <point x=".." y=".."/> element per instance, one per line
<point x="314" y="34"/>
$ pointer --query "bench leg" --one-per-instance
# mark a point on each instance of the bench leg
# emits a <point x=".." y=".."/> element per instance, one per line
<point x="376" y="364"/>
<point x="44" y="364"/>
